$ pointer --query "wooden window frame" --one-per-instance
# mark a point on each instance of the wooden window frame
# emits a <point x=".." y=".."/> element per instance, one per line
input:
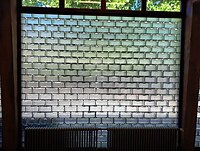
<point x="11" y="59"/>
<point x="103" y="11"/>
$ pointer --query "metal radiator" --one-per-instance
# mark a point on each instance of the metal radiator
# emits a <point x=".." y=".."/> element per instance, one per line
<point x="142" y="139"/>
<point x="60" y="139"/>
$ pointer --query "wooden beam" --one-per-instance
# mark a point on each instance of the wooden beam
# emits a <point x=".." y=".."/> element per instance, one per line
<point x="61" y="3"/>
<point x="8" y="66"/>
<point x="103" y="5"/>
<point x="191" y="76"/>
<point x="144" y="5"/>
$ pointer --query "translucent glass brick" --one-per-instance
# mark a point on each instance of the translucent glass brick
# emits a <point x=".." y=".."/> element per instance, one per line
<point x="100" y="71"/>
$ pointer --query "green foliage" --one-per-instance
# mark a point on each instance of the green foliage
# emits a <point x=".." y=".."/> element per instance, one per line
<point x="152" y="5"/>
<point x="164" y="5"/>
<point x="92" y="4"/>
<point x="124" y="4"/>
<point x="41" y="3"/>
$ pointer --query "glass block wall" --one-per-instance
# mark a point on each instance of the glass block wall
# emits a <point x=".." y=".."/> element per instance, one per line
<point x="100" y="71"/>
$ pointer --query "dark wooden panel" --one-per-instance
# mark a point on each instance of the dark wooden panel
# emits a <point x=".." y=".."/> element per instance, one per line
<point x="8" y="61"/>
<point x="191" y="76"/>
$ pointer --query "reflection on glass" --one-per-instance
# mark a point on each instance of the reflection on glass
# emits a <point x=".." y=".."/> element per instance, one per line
<point x="197" y="140"/>
<point x="89" y="4"/>
<point x="41" y="3"/>
<point x="123" y="4"/>
<point x="164" y="5"/>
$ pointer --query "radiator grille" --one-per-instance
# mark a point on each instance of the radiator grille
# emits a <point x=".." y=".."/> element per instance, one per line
<point x="119" y="139"/>
<point x="60" y="139"/>
<point x="142" y="139"/>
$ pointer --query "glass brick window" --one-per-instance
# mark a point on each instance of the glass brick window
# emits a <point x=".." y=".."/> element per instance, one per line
<point x="100" y="71"/>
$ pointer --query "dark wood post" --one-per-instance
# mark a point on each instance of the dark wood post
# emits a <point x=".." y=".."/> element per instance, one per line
<point x="8" y="64"/>
<point x="191" y="75"/>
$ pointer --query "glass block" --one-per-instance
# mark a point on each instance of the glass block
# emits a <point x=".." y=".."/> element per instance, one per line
<point x="86" y="4"/>
<point x="133" y="5"/>
<point x="85" y="70"/>
<point x="40" y="3"/>
<point x="167" y="5"/>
